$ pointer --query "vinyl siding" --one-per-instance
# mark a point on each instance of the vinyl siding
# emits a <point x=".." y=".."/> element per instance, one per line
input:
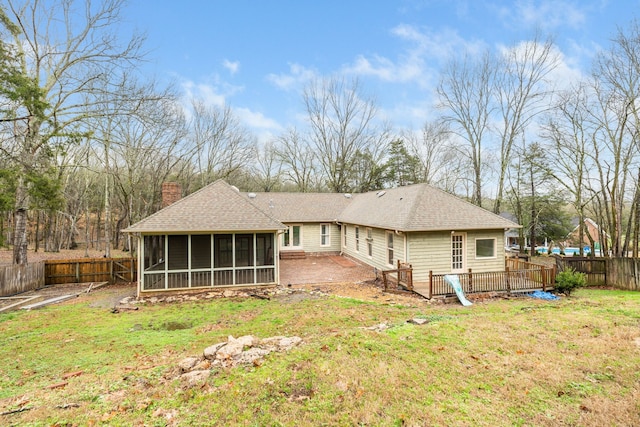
<point x="311" y="237"/>
<point x="379" y="255"/>
<point x="431" y="251"/>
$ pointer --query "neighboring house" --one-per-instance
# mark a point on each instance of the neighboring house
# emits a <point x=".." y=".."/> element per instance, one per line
<point x="591" y="228"/>
<point x="221" y="237"/>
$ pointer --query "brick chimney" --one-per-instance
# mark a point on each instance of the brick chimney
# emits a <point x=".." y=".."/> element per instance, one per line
<point x="171" y="193"/>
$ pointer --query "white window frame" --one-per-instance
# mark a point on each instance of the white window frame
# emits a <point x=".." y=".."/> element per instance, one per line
<point x="458" y="265"/>
<point x="369" y="242"/>
<point x="495" y="248"/>
<point x="290" y="232"/>
<point x="345" y="235"/>
<point x="325" y="234"/>
<point x="389" y="245"/>
<point x="357" y="237"/>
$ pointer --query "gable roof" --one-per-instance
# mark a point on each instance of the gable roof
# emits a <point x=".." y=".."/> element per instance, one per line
<point x="301" y="207"/>
<point x="419" y="207"/>
<point x="216" y="207"/>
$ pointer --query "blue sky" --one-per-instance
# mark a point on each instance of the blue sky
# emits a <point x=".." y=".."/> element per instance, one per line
<point x="256" y="56"/>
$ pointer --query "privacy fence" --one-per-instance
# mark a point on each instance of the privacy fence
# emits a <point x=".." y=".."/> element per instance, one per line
<point x="620" y="273"/>
<point x="15" y="279"/>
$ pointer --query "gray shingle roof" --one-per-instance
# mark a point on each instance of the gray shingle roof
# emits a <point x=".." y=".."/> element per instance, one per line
<point x="419" y="207"/>
<point x="220" y="207"/>
<point x="301" y="207"/>
<point x="216" y="207"/>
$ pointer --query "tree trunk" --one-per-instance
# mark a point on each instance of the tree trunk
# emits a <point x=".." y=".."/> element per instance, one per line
<point x="20" y="223"/>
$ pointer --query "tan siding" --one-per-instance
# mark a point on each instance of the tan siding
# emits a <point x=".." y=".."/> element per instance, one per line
<point x="432" y="251"/>
<point x="311" y="238"/>
<point x="379" y="257"/>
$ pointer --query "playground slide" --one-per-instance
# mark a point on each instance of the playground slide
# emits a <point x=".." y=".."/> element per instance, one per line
<point x="454" y="281"/>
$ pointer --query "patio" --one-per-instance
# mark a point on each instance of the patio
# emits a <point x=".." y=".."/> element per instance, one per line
<point x="323" y="269"/>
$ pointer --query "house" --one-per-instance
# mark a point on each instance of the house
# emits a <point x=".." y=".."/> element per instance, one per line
<point x="591" y="228"/>
<point x="219" y="236"/>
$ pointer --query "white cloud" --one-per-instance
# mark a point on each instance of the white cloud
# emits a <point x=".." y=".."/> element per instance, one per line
<point x="232" y="66"/>
<point x="256" y="120"/>
<point x="420" y="61"/>
<point x="545" y="14"/>
<point x="297" y="77"/>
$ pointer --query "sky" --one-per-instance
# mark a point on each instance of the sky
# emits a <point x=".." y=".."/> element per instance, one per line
<point x="256" y="56"/>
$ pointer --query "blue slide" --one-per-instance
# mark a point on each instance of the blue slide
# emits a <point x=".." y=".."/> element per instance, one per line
<point x="454" y="281"/>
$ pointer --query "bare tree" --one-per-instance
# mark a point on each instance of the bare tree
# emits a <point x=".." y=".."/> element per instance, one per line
<point x="298" y="160"/>
<point x="223" y="146"/>
<point x="64" y="48"/>
<point x="520" y="89"/>
<point x="465" y="92"/>
<point x="568" y="133"/>
<point x="267" y="174"/>
<point x="616" y="119"/>
<point x="343" y="126"/>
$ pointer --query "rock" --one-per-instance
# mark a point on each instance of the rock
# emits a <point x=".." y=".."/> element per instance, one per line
<point x="251" y="355"/>
<point x="229" y="294"/>
<point x="187" y="364"/>
<point x="195" y="378"/>
<point x="418" y="321"/>
<point x="210" y="352"/>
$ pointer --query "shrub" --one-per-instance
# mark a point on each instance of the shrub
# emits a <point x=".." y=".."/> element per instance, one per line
<point x="569" y="279"/>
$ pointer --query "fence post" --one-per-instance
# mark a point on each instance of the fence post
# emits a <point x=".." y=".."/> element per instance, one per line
<point x="470" y="289"/>
<point x="508" y="275"/>
<point x="430" y="284"/>
<point x="543" y="277"/>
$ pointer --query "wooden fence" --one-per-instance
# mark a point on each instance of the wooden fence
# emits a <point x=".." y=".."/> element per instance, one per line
<point x="85" y="270"/>
<point x="401" y="276"/>
<point x="15" y="279"/>
<point x="596" y="269"/>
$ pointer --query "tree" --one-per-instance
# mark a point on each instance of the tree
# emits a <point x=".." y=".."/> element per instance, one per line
<point x="465" y="94"/>
<point x="402" y="167"/>
<point x="222" y="145"/>
<point x="520" y="89"/>
<point x="343" y="128"/>
<point x="63" y="48"/>
<point x="298" y="160"/>
<point x="568" y="133"/>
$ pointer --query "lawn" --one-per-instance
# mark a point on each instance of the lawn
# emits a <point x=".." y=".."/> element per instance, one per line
<point x="501" y="362"/>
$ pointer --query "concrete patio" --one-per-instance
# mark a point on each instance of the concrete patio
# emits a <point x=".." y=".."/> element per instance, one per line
<point x="323" y="269"/>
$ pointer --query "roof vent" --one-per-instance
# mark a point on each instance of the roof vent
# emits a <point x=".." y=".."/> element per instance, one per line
<point x="347" y="195"/>
<point x="235" y="188"/>
<point x="252" y="195"/>
<point x="381" y="193"/>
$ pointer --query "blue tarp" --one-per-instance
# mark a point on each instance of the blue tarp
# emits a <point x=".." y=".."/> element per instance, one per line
<point x="543" y="295"/>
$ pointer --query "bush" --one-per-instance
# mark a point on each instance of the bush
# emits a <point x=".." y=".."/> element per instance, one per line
<point x="569" y="279"/>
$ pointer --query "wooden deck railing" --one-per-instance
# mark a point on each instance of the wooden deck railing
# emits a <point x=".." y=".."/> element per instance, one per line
<point x="399" y="277"/>
<point x="535" y="277"/>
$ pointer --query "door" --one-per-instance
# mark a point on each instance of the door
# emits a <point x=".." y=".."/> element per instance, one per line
<point x="458" y="250"/>
<point x="292" y="238"/>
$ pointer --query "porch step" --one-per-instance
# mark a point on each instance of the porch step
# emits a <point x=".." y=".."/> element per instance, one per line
<point x="292" y="255"/>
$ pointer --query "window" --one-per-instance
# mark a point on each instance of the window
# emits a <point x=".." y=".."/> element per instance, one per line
<point x="369" y="243"/>
<point x="457" y="252"/>
<point x="178" y="252"/>
<point x="325" y="237"/>
<point x="201" y="251"/>
<point x="357" y="239"/>
<point x="223" y="247"/>
<point x="485" y="248"/>
<point x="390" y="247"/>
<point x="292" y="238"/>
<point x="345" y="235"/>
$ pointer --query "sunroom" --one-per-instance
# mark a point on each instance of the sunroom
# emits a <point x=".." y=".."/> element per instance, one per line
<point x="212" y="238"/>
<point x="183" y="261"/>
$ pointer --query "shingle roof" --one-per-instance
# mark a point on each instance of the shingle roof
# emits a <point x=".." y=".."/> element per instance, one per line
<point x="301" y="207"/>
<point x="419" y="207"/>
<point x="216" y="207"/>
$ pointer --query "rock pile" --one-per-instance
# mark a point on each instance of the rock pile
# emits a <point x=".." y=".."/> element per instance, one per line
<point x="245" y="350"/>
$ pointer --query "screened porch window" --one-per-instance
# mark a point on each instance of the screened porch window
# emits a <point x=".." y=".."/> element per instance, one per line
<point x="206" y="260"/>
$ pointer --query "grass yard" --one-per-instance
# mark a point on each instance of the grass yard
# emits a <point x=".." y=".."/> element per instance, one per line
<point x="522" y="361"/>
